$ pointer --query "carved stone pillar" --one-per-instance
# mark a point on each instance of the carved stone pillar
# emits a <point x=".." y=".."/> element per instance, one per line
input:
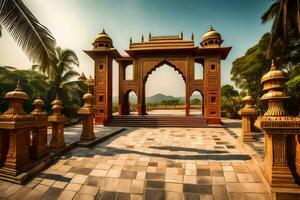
<point x="277" y="126"/>
<point x="297" y="156"/>
<point x="248" y="113"/>
<point x="39" y="147"/>
<point x="87" y="112"/>
<point x="57" y="120"/>
<point x="15" y="126"/>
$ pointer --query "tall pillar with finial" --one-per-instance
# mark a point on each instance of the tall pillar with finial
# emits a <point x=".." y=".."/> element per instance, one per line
<point x="15" y="126"/>
<point x="39" y="148"/>
<point x="248" y="113"/>
<point x="87" y="111"/>
<point x="57" y="120"/>
<point x="277" y="127"/>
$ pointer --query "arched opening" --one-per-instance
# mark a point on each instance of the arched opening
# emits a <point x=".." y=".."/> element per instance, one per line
<point x="130" y="103"/>
<point x="198" y="71"/>
<point x="165" y="91"/>
<point x="129" y="72"/>
<point x="196" y="103"/>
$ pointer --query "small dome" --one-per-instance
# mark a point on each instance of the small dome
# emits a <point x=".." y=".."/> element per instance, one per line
<point x="88" y="95"/>
<point x="17" y="94"/>
<point x="103" y="40"/>
<point x="38" y="101"/>
<point x="248" y="98"/>
<point x="211" y="38"/>
<point x="273" y="74"/>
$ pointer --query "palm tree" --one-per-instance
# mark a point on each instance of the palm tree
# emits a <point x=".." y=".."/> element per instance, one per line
<point x="34" y="38"/>
<point x="62" y="76"/>
<point x="286" y="21"/>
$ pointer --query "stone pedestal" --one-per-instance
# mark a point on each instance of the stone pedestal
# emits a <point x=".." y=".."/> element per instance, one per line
<point x="248" y="113"/>
<point x="39" y="147"/>
<point x="276" y="168"/>
<point x="87" y="112"/>
<point x="297" y="157"/>
<point x="15" y="127"/>
<point x="57" y="120"/>
<point x="278" y="129"/>
<point x="187" y="110"/>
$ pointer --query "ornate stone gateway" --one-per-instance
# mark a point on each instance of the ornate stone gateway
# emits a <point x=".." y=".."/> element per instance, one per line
<point x="146" y="56"/>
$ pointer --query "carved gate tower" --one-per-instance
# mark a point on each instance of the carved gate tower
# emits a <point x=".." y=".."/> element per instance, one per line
<point x="146" y="57"/>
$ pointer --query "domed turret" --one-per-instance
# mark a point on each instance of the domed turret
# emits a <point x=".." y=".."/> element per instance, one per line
<point x="211" y="39"/>
<point x="103" y="41"/>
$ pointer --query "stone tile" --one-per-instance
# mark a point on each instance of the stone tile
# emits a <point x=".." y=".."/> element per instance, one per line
<point x="173" y="178"/>
<point x="59" y="184"/>
<point x="193" y="188"/>
<point x="99" y="172"/>
<point x="230" y="177"/>
<point x="110" y="184"/>
<point x="141" y="175"/>
<point x="136" y="197"/>
<point x="20" y="194"/>
<point x="79" y="170"/>
<point x="155" y="184"/>
<point x="174" y="187"/>
<point x="67" y="195"/>
<point x="220" y="192"/>
<point x="247" y="187"/>
<point x="103" y="166"/>
<point x="154" y="176"/>
<point x="89" y="190"/>
<point x="227" y="168"/>
<point x="137" y="186"/>
<point x="128" y="174"/>
<point x="191" y="196"/>
<point x="80" y="179"/>
<point x="83" y="196"/>
<point x="240" y="168"/>
<point x="122" y="196"/>
<point x="151" y="194"/>
<point x="174" y="196"/>
<point x="207" y="197"/>
<point x="203" y="172"/>
<point x="114" y="173"/>
<point x="48" y="182"/>
<point x="190" y="179"/>
<point x="204" y="180"/>
<point x="123" y="185"/>
<point x="245" y="178"/>
<point x="94" y="181"/>
<point x="73" y="187"/>
<point x="218" y="180"/>
<point x="51" y="193"/>
<point x="106" y="195"/>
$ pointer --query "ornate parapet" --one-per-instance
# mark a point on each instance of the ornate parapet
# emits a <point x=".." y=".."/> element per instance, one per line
<point x="57" y="120"/>
<point x="248" y="114"/>
<point x="87" y="112"/>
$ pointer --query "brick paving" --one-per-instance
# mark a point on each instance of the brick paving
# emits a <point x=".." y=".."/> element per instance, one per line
<point x="150" y="164"/>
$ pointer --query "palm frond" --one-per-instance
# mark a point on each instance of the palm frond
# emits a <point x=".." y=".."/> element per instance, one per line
<point x="34" y="38"/>
<point x="69" y="75"/>
<point x="270" y="13"/>
<point x="0" y="30"/>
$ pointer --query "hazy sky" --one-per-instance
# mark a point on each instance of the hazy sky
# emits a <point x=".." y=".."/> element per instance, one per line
<point x="75" y="23"/>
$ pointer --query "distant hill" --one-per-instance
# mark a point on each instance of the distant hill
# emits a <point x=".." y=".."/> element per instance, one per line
<point x="157" y="98"/>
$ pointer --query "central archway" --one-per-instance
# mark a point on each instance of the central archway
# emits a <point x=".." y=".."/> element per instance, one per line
<point x="165" y="90"/>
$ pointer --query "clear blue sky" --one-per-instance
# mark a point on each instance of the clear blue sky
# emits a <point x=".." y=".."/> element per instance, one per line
<point x="75" y="23"/>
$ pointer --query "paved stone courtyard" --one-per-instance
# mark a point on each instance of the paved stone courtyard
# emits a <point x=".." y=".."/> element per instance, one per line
<point x="144" y="163"/>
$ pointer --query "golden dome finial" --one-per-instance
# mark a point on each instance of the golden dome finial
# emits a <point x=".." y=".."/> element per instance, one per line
<point x="142" y="38"/>
<point x="103" y="32"/>
<point x="273" y="65"/>
<point x="18" y="87"/>
<point x="211" y="28"/>
<point x="192" y="38"/>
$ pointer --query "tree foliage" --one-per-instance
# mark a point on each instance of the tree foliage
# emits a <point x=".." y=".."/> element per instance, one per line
<point x="229" y="91"/>
<point x="34" y="38"/>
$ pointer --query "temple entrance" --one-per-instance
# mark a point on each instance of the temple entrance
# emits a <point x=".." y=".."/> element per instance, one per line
<point x="144" y="57"/>
<point x="165" y="97"/>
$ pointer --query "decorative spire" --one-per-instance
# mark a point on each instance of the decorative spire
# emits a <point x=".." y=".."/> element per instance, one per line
<point x="18" y="87"/>
<point x="130" y="40"/>
<point x="211" y="28"/>
<point x="142" y="38"/>
<point x="181" y="35"/>
<point x="273" y="65"/>
<point x="150" y="35"/>
<point x="192" y="38"/>
<point x="103" y="32"/>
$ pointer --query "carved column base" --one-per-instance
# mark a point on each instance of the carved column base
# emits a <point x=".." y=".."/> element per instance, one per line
<point x="246" y="137"/>
<point x="297" y="156"/>
<point x="87" y="129"/>
<point x="279" y="176"/>
<point x="39" y="147"/>
<point x="17" y="158"/>
<point x="3" y="146"/>
<point x="57" y="140"/>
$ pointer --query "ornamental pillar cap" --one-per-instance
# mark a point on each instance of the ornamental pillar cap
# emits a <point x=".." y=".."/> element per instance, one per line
<point x="17" y="94"/>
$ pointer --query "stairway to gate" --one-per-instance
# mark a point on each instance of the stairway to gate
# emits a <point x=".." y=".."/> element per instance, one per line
<point x="159" y="121"/>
